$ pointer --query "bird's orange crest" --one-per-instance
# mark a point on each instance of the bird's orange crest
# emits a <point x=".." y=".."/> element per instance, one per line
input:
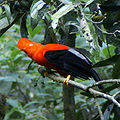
<point x="23" y="43"/>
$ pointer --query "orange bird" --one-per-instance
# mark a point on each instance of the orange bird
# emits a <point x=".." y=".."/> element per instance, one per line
<point x="65" y="60"/>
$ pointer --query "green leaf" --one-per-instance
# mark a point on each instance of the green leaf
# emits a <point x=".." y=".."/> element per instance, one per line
<point x="13" y="103"/>
<point x="30" y="103"/>
<point x="61" y="12"/>
<point x="1" y="10"/>
<point x="109" y="61"/>
<point x="3" y="23"/>
<point x="37" y="5"/>
<point x="34" y="23"/>
<point x="17" y="59"/>
<point x="66" y="1"/>
<point x="11" y="77"/>
<point x="116" y="69"/>
<point x="70" y="1"/>
<point x="88" y="2"/>
<point x="8" y="78"/>
<point x="14" y="53"/>
<point x="5" y="87"/>
<point x="108" y="111"/>
<point x="111" y="50"/>
<point x="8" y="13"/>
<point x="35" y="29"/>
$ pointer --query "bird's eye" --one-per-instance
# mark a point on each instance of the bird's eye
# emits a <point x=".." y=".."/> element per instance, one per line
<point x="30" y="44"/>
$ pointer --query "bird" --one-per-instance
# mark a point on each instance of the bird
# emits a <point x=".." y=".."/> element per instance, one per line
<point x="65" y="60"/>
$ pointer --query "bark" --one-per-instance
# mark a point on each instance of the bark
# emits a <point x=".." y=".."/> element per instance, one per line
<point x="68" y="92"/>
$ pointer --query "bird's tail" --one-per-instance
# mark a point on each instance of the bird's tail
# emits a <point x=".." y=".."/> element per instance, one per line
<point x="96" y="78"/>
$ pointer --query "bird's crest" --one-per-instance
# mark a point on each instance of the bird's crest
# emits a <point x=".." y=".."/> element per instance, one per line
<point x="23" y="43"/>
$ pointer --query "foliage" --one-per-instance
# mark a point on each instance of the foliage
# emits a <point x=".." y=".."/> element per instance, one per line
<point x="95" y="24"/>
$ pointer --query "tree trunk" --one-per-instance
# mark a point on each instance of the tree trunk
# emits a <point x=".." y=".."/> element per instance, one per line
<point x="68" y="92"/>
<point x="69" y="103"/>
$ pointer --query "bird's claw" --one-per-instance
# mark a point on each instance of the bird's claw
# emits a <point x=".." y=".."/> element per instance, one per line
<point x="67" y="80"/>
<point x="45" y="73"/>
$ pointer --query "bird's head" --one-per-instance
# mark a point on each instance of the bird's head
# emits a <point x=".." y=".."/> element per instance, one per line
<point x="24" y="43"/>
<point x="27" y="46"/>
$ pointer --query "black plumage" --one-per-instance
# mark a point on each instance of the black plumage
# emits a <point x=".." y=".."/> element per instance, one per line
<point x="72" y="62"/>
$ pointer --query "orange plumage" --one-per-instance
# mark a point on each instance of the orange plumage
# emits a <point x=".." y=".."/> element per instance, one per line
<point x="36" y="51"/>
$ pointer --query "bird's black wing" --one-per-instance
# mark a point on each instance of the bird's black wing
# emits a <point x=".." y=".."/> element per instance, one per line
<point x="71" y="62"/>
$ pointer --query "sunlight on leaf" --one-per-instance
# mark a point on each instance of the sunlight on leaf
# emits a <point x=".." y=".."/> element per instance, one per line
<point x="36" y="7"/>
<point x="3" y="23"/>
<point x="61" y="12"/>
<point x="8" y="13"/>
<point x="89" y="2"/>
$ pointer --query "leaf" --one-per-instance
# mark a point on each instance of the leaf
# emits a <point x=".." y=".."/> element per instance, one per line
<point x="111" y="50"/>
<point x="3" y="23"/>
<point x="8" y="12"/>
<point x="109" y="61"/>
<point x="14" y="53"/>
<point x="11" y="77"/>
<point x="17" y="59"/>
<point x="116" y="69"/>
<point x="108" y="111"/>
<point x="8" y="78"/>
<point x="13" y="103"/>
<point x="34" y="28"/>
<point x="5" y="87"/>
<point x="88" y="3"/>
<point x="36" y="7"/>
<point x="61" y="12"/>
<point x="70" y="1"/>
<point x="1" y="10"/>
<point x="34" y="23"/>
<point x="66" y="1"/>
<point x="30" y="103"/>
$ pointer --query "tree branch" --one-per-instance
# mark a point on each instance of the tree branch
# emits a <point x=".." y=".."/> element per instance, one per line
<point x="99" y="109"/>
<point x="104" y="82"/>
<point x="50" y="36"/>
<point x="85" y="88"/>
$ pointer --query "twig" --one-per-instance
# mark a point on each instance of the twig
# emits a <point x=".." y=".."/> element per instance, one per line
<point x="116" y="94"/>
<point x="108" y="33"/>
<point x="85" y="88"/>
<point x="99" y="109"/>
<point x="104" y="82"/>
<point x="93" y="21"/>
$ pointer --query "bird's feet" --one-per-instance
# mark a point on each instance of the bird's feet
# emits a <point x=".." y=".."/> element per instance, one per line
<point x="67" y="80"/>
<point x="45" y="73"/>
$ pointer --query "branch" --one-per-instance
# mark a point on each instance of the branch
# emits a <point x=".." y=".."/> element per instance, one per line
<point x="50" y="31"/>
<point x="104" y="82"/>
<point x="99" y="109"/>
<point x="85" y="88"/>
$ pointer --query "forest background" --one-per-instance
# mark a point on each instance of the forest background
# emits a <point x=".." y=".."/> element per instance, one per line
<point x="92" y="26"/>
